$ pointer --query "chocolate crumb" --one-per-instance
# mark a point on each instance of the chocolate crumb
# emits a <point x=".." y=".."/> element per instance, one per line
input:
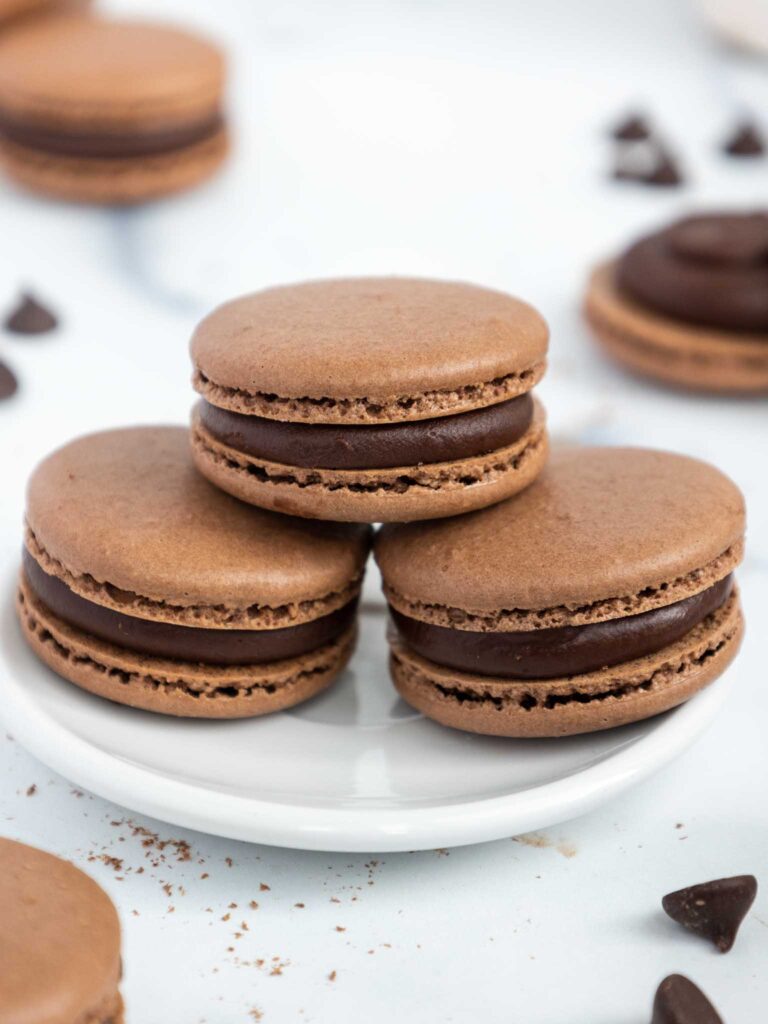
<point x="30" y="317"/>
<point x="299" y="905"/>
<point x="332" y="976"/>
<point x="253" y="905"/>
<point x="679" y="1001"/>
<point x="745" y="140"/>
<point x="8" y="382"/>
<point x="339" y="928"/>
<point x="633" y="128"/>
<point x="263" y="887"/>
<point x="714" y="909"/>
<point x="31" y="790"/>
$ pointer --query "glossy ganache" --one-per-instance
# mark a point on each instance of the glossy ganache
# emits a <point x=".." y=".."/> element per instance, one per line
<point x="184" y="643"/>
<point x="563" y="651"/>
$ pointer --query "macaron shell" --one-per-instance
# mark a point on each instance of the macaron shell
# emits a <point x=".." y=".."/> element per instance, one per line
<point x="88" y="71"/>
<point x="59" y="941"/>
<point x="376" y="340"/>
<point x="177" y="688"/>
<point x="655" y="346"/>
<point x="585" y="703"/>
<point x="369" y="496"/>
<point x="124" y="518"/>
<point x="603" y="532"/>
<point x="116" y="181"/>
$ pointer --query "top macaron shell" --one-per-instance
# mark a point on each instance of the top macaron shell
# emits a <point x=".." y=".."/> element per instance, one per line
<point x="124" y="514"/>
<point x="369" y="346"/>
<point x="59" y="941"/>
<point x="603" y="533"/>
<point x="93" y="72"/>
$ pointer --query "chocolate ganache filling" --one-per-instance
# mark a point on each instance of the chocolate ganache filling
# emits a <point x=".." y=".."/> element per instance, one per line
<point x="184" y="643"/>
<point x="565" y="650"/>
<point x="708" y="270"/>
<point x="108" y="144"/>
<point x="384" y="446"/>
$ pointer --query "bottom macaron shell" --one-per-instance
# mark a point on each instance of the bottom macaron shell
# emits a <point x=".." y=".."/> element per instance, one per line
<point x="182" y="689"/>
<point x="429" y="491"/>
<point x="577" y="704"/>
<point x="650" y="344"/>
<point x="114" y="181"/>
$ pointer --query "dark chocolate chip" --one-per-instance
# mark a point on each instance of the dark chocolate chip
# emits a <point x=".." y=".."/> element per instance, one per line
<point x="665" y="172"/>
<point x="30" y="317"/>
<point x="679" y="1001"/>
<point x="8" y="382"/>
<point x="713" y="910"/>
<point x="633" y="128"/>
<point x="745" y="140"/>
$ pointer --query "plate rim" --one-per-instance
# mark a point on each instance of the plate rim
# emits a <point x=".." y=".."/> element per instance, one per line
<point x="354" y="830"/>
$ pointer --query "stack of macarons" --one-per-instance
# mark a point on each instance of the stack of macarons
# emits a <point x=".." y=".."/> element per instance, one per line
<point x="104" y="110"/>
<point x="217" y="574"/>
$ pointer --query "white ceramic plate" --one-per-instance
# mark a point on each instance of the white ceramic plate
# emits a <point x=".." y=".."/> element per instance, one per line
<point x="354" y="769"/>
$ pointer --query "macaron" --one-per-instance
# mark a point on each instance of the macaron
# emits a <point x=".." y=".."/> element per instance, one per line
<point x="370" y="399"/>
<point x="601" y="595"/>
<point x="109" y="111"/>
<point x="144" y="584"/>
<point x="688" y="304"/>
<point x="59" y="942"/>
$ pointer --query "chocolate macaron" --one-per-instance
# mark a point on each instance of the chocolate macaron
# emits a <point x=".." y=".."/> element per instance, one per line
<point x="59" y="942"/>
<point x="688" y="304"/>
<point x="109" y="111"/>
<point x="144" y="584"/>
<point x="600" y="596"/>
<point x="370" y="399"/>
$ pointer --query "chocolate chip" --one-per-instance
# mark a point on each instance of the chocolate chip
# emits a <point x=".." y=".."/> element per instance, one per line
<point x="8" y="382"/>
<point x="679" y="1001"/>
<point x="713" y="910"/>
<point x="30" y="317"/>
<point x="633" y="128"/>
<point x="665" y="173"/>
<point x="745" y="140"/>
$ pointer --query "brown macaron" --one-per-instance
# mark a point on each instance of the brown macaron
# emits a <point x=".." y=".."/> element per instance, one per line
<point x="600" y="596"/>
<point x="144" y="584"/>
<point x="688" y="305"/>
<point x="370" y="399"/>
<point x="59" y="942"/>
<point x="109" y="111"/>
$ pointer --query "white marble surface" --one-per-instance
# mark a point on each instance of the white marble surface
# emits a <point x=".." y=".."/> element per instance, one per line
<point x="461" y="140"/>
